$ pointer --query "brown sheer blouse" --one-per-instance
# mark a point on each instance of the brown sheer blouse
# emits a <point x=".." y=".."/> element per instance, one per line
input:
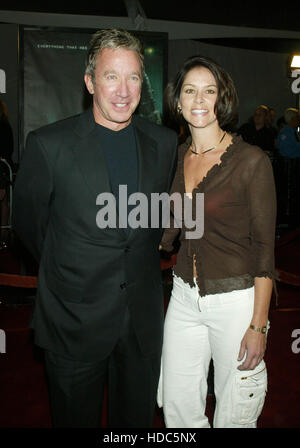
<point x="239" y="221"/>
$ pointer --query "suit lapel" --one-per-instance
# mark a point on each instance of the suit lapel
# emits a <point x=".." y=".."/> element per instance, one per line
<point x="90" y="157"/>
<point x="147" y="159"/>
<point x="147" y="164"/>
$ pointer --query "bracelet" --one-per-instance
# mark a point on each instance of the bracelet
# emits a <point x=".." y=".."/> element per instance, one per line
<point x="261" y="330"/>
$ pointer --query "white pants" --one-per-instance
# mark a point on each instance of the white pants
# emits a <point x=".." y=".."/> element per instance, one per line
<point x="198" y="329"/>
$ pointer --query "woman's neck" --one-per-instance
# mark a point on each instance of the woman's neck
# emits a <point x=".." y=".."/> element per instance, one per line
<point x="204" y="138"/>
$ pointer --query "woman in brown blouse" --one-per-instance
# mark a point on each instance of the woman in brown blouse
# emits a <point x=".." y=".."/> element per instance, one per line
<point x="222" y="281"/>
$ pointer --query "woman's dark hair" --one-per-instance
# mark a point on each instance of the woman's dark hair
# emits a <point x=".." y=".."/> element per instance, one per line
<point x="227" y="100"/>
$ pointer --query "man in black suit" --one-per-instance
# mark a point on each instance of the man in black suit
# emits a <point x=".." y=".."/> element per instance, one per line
<point x="99" y="305"/>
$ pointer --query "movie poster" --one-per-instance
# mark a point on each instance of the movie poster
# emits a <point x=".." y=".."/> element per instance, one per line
<point x="53" y="68"/>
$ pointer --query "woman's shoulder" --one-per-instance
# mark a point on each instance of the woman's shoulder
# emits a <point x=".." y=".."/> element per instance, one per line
<point x="246" y="151"/>
<point x="250" y="159"/>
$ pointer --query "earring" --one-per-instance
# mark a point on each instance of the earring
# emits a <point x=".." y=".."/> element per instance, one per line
<point x="179" y="110"/>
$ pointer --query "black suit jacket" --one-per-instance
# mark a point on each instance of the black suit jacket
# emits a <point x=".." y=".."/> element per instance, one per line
<point x="88" y="275"/>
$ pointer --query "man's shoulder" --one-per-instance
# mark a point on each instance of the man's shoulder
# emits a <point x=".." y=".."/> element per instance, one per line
<point x="60" y="134"/>
<point x="247" y="153"/>
<point x="65" y="124"/>
<point x="247" y="126"/>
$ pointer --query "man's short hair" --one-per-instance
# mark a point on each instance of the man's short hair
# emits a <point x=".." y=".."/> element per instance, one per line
<point x="290" y="113"/>
<point x="114" y="39"/>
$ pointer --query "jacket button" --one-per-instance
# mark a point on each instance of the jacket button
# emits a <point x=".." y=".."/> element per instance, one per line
<point x="126" y="249"/>
<point x="123" y="285"/>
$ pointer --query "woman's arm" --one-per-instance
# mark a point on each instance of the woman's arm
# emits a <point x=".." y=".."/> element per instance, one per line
<point x="254" y="342"/>
<point x="262" y="212"/>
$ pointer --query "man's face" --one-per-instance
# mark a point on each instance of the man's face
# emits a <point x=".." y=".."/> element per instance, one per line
<point x="259" y="117"/>
<point x="116" y="88"/>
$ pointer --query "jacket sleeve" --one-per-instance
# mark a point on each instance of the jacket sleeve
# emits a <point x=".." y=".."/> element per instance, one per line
<point x="262" y="209"/>
<point x="32" y="194"/>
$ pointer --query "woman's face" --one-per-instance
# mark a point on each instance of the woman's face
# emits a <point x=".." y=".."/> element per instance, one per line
<point x="198" y="97"/>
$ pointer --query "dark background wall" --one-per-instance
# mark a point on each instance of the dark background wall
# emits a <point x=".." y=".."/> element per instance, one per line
<point x="9" y="63"/>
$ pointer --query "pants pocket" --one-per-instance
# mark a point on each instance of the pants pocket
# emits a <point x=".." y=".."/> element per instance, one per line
<point x="248" y="394"/>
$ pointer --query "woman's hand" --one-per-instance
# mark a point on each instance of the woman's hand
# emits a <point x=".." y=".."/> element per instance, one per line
<point x="254" y="345"/>
<point x="254" y="342"/>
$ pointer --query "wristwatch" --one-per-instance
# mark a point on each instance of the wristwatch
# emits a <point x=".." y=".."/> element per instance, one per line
<point x="260" y="329"/>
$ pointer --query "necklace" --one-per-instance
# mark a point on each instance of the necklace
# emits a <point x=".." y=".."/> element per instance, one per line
<point x="207" y="150"/>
